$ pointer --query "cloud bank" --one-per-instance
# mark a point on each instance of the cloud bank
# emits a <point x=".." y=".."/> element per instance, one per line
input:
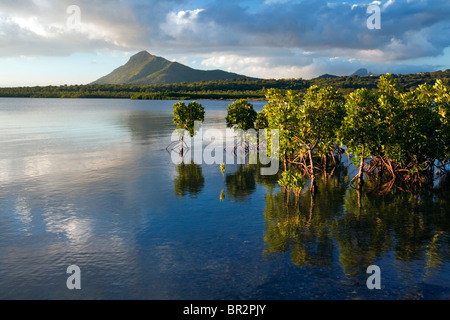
<point x="270" y="39"/>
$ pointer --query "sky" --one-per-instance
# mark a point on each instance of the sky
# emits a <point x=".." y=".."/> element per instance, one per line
<point x="56" y="42"/>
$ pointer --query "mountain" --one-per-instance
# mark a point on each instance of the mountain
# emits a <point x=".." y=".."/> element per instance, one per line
<point x="362" y="72"/>
<point x="144" y="68"/>
<point x="327" y="76"/>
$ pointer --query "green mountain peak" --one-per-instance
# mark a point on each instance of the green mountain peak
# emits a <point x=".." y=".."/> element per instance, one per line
<point x="145" y="68"/>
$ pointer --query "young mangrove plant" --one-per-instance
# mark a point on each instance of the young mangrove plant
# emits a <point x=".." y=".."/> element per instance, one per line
<point x="282" y="113"/>
<point x="362" y="129"/>
<point x="307" y="124"/>
<point x="241" y="116"/>
<point x="185" y="116"/>
<point x="320" y="119"/>
<point x="292" y="181"/>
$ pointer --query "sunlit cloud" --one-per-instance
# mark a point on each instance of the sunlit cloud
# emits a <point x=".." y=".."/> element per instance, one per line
<point x="226" y="34"/>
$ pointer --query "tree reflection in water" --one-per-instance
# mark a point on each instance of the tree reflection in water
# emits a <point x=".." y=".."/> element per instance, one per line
<point x="362" y="227"/>
<point x="189" y="180"/>
<point x="340" y="225"/>
<point x="302" y="226"/>
<point x="241" y="183"/>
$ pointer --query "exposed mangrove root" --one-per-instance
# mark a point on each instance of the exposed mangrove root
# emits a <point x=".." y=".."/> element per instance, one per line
<point x="180" y="146"/>
<point x="383" y="174"/>
<point x="241" y="144"/>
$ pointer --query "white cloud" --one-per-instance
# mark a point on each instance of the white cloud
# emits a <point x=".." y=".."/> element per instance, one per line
<point x="238" y="62"/>
<point x="263" y="66"/>
<point x="39" y="28"/>
<point x="33" y="25"/>
<point x="388" y="3"/>
<point x="177" y="23"/>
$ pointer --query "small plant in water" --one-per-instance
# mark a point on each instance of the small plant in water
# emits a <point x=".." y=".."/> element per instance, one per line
<point x="292" y="180"/>
<point x="185" y="116"/>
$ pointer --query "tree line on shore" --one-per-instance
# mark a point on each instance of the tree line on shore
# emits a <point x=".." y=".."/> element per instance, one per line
<point x="220" y="89"/>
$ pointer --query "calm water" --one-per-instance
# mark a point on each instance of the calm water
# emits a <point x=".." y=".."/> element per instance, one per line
<point x="89" y="182"/>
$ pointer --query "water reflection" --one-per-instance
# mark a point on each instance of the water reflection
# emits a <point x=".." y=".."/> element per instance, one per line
<point x="246" y="177"/>
<point x="146" y="126"/>
<point x="189" y="180"/>
<point x="267" y="181"/>
<point x="302" y="226"/>
<point x="241" y="183"/>
<point x="362" y="227"/>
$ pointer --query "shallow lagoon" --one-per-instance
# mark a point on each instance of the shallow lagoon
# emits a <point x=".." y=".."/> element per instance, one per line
<point x="89" y="182"/>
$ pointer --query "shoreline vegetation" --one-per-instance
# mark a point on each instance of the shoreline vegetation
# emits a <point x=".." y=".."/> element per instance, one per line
<point x="220" y="89"/>
<point x="392" y="136"/>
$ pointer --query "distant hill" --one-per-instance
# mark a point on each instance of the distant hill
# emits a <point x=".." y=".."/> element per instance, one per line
<point x="327" y="76"/>
<point x="362" y="72"/>
<point x="144" y="68"/>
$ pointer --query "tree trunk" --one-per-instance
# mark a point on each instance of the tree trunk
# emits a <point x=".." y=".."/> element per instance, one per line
<point x="182" y="146"/>
<point x="361" y="169"/>
<point x="312" y="172"/>
<point x="325" y="165"/>
<point x="359" y="201"/>
<point x="311" y="209"/>
<point x="285" y="161"/>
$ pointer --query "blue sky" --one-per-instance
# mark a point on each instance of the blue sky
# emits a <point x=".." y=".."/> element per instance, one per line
<point x="266" y="39"/>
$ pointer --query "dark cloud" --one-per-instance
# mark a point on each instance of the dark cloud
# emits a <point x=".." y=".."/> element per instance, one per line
<point x="410" y="29"/>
